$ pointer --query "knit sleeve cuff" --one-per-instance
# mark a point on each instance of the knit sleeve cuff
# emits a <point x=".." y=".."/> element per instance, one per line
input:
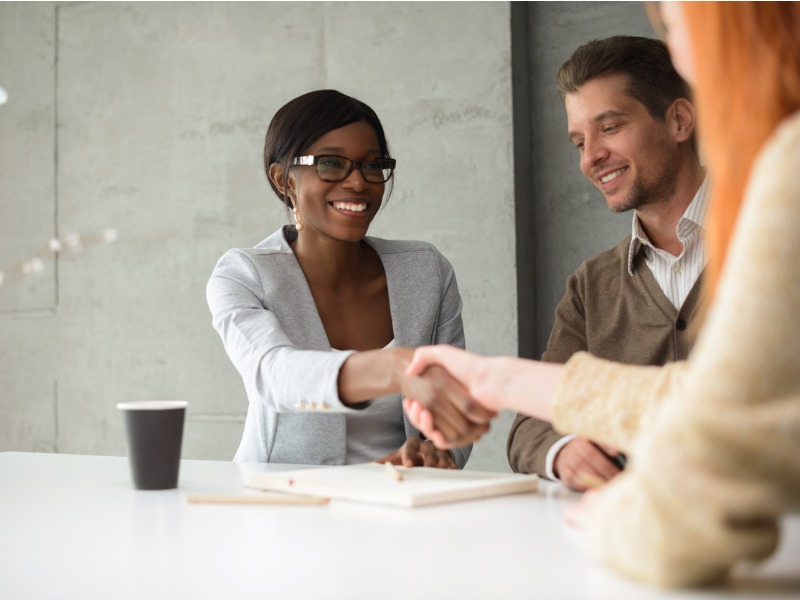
<point x="606" y="401"/>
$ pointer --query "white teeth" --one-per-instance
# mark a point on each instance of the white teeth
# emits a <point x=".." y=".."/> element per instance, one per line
<point x="612" y="176"/>
<point x="351" y="206"/>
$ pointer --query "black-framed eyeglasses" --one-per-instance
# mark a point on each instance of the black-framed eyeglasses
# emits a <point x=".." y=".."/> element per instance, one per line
<point x="338" y="168"/>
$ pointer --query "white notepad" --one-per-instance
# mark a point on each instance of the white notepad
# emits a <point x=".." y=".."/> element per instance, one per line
<point x="371" y="482"/>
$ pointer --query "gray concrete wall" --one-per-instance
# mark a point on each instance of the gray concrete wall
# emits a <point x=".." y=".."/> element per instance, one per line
<point x="161" y="111"/>
<point x="562" y="218"/>
<point x="150" y="117"/>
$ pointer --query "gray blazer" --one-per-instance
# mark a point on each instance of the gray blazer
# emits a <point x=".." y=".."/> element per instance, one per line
<point x="262" y="308"/>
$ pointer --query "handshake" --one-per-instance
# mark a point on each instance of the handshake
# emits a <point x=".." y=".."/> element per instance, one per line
<point x="448" y="395"/>
<point x="452" y="395"/>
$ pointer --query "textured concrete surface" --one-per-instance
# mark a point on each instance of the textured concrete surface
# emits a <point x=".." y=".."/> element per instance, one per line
<point x="568" y="220"/>
<point x="150" y="117"/>
<point x="161" y="112"/>
<point x="27" y="158"/>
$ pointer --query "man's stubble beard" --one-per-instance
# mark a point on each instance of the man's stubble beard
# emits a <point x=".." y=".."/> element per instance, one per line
<point x="657" y="192"/>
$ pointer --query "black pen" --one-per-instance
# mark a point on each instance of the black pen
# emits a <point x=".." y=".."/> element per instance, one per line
<point x="620" y="460"/>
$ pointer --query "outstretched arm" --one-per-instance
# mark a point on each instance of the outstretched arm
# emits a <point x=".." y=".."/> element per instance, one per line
<point x="374" y="373"/>
<point x="492" y="382"/>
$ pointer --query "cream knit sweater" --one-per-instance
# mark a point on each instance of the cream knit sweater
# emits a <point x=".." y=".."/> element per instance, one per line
<point x="715" y="440"/>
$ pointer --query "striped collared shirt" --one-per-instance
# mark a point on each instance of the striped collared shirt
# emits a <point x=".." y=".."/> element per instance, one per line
<point x="676" y="275"/>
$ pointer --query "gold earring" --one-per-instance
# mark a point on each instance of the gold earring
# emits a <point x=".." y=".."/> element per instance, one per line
<point x="299" y="225"/>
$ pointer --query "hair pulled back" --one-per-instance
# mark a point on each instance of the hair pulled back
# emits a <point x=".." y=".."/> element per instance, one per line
<point x="302" y="121"/>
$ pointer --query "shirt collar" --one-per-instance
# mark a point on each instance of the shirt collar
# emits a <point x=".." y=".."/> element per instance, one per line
<point x="693" y="216"/>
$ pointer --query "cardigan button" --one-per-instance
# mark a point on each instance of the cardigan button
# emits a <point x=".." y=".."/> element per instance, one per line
<point x="680" y="324"/>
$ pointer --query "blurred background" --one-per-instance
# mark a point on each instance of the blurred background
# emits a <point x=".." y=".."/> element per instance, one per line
<point x="149" y="118"/>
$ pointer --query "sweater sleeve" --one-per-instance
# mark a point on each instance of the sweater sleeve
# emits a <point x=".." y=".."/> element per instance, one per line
<point x="610" y="402"/>
<point x="715" y="464"/>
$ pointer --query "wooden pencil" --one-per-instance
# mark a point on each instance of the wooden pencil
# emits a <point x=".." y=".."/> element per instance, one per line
<point x="253" y="499"/>
<point x="393" y="472"/>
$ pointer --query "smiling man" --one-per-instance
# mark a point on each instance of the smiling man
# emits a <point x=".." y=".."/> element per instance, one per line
<point x="630" y="117"/>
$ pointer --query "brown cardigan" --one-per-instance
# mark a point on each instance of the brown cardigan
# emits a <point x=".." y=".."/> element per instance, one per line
<point x="612" y="315"/>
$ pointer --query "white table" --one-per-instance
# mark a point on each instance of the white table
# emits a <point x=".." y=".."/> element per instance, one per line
<point x="73" y="527"/>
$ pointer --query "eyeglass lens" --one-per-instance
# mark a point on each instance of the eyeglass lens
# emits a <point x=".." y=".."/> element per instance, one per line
<point x="337" y="168"/>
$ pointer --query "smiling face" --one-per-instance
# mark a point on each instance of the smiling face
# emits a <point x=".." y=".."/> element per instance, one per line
<point x="629" y="155"/>
<point x="341" y="210"/>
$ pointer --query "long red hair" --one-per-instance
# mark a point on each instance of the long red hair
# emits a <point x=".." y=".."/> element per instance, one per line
<point x="747" y="80"/>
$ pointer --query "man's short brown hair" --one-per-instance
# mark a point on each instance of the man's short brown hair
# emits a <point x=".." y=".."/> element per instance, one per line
<point x="652" y="80"/>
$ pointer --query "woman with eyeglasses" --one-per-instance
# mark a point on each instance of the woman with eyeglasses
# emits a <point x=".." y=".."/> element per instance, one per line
<point x="320" y="320"/>
<point x="714" y="442"/>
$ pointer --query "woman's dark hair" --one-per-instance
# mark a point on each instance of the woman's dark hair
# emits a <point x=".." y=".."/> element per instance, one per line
<point x="302" y="121"/>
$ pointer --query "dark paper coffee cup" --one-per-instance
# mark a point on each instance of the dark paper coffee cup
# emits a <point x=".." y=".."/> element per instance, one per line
<point x="155" y="433"/>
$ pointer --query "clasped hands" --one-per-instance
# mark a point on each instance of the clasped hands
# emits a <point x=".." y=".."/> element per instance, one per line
<point x="438" y="401"/>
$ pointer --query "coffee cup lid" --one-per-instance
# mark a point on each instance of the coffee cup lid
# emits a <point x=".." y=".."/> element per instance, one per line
<point x="153" y="405"/>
